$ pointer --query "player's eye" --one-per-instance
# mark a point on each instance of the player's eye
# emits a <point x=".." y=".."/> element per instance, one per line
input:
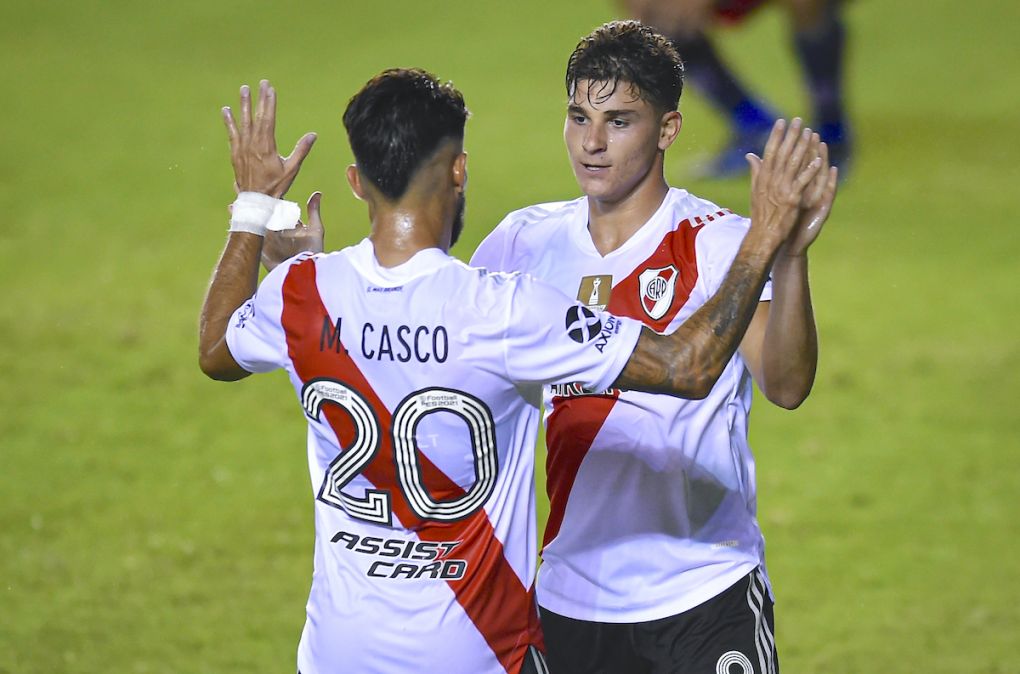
<point x="619" y="123"/>
<point x="578" y="119"/>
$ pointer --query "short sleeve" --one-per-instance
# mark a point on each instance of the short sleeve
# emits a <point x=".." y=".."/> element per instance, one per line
<point x="551" y="338"/>
<point x="717" y="247"/>
<point x="255" y="334"/>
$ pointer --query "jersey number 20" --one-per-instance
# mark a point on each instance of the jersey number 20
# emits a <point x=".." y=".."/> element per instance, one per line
<point x="375" y="505"/>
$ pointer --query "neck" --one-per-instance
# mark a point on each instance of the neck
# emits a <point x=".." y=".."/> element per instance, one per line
<point x="402" y="229"/>
<point x="612" y="223"/>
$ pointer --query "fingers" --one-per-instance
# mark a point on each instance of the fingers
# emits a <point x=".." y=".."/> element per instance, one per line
<point x="828" y="195"/>
<point x="265" y="115"/>
<point x="813" y="194"/>
<point x="264" y="124"/>
<point x="314" y="217"/>
<point x="755" y="163"/>
<point x="813" y="150"/>
<point x="799" y="150"/>
<point x="773" y="143"/>
<point x="805" y="177"/>
<point x="260" y="110"/>
<point x="270" y="111"/>
<point x="292" y="163"/>
<point x="245" y="109"/>
<point x="789" y="141"/>
<point x="228" y="120"/>
<point x="258" y="165"/>
<point x="792" y="136"/>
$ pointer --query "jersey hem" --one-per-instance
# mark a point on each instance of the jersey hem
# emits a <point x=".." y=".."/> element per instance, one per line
<point x="658" y="610"/>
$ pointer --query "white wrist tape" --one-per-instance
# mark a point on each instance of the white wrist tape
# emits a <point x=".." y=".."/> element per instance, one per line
<point x="255" y="212"/>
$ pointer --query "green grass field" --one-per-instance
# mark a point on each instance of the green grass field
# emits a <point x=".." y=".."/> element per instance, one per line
<point x="152" y="521"/>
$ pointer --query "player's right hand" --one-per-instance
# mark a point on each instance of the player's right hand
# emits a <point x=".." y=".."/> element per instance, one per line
<point x="258" y="166"/>
<point x="285" y="244"/>
<point x="789" y="164"/>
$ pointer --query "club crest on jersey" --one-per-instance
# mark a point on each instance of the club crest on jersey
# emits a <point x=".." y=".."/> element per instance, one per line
<point x="594" y="290"/>
<point x="582" y="324"/>
<point x="657" y="287"/>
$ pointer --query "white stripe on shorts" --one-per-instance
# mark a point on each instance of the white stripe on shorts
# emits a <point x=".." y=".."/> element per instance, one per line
<point x="764" y="641"/>
<point x="539" y="660"/>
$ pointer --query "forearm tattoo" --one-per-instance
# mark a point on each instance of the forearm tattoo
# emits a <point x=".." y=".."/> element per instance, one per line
<point x="690" y="360"/>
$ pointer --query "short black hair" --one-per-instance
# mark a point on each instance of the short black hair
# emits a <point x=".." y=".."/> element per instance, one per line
<point x="629" y="52"/>
<point x="397" y="121"/>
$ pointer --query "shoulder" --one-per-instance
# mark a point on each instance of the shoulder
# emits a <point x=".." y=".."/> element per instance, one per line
<point x="716" y="226"/>
<point x="522" y="230"/>
<point x="279" y="274"/>
<point x="536" y="217"/>
<point x="529" y="215"/>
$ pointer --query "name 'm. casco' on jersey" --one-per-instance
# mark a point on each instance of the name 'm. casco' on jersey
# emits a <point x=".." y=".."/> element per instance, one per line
<point x="421" y="385"/>
<point x="652" y="497"/>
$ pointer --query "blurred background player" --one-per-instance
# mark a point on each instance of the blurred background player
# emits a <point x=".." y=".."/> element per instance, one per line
<point x="653" y="559"/>
<point x="819" y="41"/>
<point x="420" y="378"/>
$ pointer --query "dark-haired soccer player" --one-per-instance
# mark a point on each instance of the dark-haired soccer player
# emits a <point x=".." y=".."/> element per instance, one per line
<point x="819" y="42"/>
<point x="420" y="378"/>
<point x="653" y="560"/>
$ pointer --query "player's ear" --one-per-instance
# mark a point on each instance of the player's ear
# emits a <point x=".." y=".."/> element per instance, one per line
<point x="669" y="128"/>
<point x="354" y="178"/>
<point x="460" y="172"/>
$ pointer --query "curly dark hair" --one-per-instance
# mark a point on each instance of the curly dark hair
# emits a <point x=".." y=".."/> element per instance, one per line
<point x="632" y="53"/>
<point x="397" y="121"/>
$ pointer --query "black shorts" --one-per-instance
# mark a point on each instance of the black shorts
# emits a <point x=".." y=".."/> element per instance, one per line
<point x="534" y="662"/>
<point x="731" y="633"/>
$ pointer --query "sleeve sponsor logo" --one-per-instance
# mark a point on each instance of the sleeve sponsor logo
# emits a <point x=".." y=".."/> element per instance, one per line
<point x="582" y="324"/>
<point x="610" y="328"/>
<point x="246" y="313"/>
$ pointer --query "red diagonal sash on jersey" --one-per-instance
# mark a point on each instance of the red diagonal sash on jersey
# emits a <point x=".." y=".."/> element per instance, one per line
<point x="576" y="421"/>
<point x="491" y="594"/>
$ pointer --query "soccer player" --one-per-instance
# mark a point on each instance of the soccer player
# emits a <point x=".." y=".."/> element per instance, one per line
<point x="819" y="41"/>
<point x="421" y="377"/>
<point x="653" y="560"/>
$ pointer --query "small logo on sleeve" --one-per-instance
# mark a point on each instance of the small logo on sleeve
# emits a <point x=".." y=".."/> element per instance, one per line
<point x="582" y="324"/>
<point x="247" y="312"/>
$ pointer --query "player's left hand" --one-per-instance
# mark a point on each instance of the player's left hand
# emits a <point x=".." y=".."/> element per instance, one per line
<point x="258" y="167"/>
<point x="815" y="205"/>
<point x="285" y="244"/>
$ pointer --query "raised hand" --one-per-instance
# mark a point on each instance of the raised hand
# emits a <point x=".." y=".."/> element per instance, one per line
<point x="258" y="167"/>
<point x="779" y="178"/>
<point x="283" y="245"/>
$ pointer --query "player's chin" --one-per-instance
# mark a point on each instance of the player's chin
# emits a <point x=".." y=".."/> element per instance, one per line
<point x="593" y="184"/>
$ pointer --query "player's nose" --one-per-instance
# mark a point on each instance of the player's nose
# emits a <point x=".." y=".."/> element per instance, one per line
<point x="594" y="139"/>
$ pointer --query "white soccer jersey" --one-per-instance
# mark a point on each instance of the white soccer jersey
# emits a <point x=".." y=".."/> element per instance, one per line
<point x="652" y="498"/>
<point x="421" y="385"/>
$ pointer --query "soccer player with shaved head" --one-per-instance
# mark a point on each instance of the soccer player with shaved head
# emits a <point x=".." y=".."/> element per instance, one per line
<point x="653" y="560"/>
<point x="421" y="378"/>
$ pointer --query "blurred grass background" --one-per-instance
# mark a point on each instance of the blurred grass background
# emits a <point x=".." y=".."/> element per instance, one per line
<point x="153" y="521"/>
